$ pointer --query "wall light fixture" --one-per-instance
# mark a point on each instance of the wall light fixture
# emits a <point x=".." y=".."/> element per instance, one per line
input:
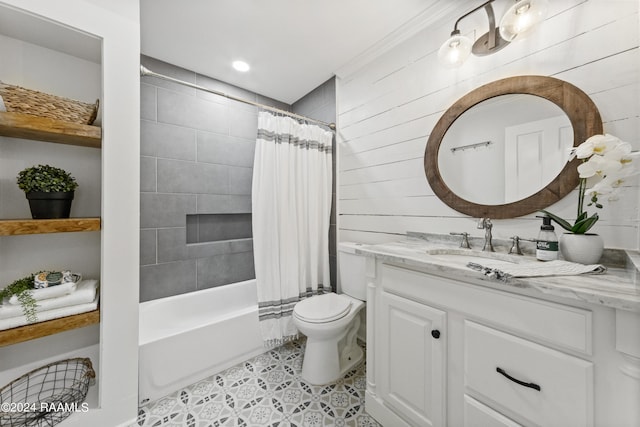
<point x="516" y="22"/>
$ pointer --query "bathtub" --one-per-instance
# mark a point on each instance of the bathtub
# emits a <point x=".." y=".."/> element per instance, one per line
<point x="188" y="337"/>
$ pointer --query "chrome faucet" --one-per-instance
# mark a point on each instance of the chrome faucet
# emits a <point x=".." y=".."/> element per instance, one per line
<point x="487" y="225"/>
<point x="515" y="246"/>
<point x="464" y="243"/>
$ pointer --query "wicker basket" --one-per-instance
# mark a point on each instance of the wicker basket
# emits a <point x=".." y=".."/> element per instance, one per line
<point x="47" y="395"/>
<point x="27" y="101"/>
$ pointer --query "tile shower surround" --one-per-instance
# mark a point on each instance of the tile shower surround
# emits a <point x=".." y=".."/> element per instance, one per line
<point x="264" y="391"/>
<point x="196" y="158"/>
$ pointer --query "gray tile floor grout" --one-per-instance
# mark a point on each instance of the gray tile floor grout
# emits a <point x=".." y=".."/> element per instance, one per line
<point x="266" y="390"/>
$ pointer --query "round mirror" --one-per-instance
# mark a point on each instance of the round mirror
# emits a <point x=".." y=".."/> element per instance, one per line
<point x="501" y="151"/>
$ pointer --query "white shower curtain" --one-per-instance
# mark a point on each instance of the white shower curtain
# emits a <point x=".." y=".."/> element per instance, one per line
<point x="291" y="206"/>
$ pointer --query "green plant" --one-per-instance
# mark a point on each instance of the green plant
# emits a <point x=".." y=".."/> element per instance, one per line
<point x="21" y="288"/>
<point x="606" y="160"/>
<point x="47" y="179"/>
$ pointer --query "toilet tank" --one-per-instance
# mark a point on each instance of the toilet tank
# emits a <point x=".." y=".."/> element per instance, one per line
<point x="351" y="270"/>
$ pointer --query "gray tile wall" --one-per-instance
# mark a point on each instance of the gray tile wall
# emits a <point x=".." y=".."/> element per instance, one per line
<point x="196" y="158"/>
<point x="320" y="104"/>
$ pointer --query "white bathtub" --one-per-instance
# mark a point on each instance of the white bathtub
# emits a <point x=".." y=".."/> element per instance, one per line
<point x="188" y="337"/>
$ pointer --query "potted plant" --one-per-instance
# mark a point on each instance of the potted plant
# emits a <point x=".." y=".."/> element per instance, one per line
<point x="607" y="162"/>
<point x="22" y="288"/>
<point x="50" y="191"/>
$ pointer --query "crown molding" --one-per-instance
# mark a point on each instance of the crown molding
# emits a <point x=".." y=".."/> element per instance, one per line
<point x="440" y="9"/>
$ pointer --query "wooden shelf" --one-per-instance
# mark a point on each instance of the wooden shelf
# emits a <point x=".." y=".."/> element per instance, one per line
<point x="15" y="227"/>
<point x="16" y="125"/>
<point x="49" y="327"/>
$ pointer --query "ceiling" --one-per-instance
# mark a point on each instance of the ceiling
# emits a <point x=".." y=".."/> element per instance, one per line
<point x="292" y="46"/>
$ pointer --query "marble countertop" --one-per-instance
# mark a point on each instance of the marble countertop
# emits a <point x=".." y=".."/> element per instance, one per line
<point x="618" y="288"/>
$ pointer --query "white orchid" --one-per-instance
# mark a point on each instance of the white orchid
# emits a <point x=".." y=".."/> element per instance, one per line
<point x="598" y="165"/>
<point x="597" y="144"/>
<point x="619" y="151"/>
<point x="606" y="160"/>
<point x="607" y="186"/>
<point x="614" y="164"/>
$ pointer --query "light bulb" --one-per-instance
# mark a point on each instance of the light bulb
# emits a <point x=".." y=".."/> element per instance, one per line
<point x="241" y="66"/>
<point x="521" y="18"/>
<point x="455" y="50"/>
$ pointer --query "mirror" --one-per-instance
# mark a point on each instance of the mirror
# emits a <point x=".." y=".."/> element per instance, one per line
<point x="501" y="150"/>
<point x="505" y="149"/>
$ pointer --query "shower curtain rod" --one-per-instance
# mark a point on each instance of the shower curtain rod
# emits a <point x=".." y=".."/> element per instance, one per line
<point x="144" y="71"/>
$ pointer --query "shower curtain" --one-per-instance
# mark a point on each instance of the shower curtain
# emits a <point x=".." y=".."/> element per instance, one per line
<point x="291" y="207"/>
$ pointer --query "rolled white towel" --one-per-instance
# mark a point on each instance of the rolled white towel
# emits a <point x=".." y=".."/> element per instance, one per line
<point x="45" y="293"/>
<point x="85" y="292"/>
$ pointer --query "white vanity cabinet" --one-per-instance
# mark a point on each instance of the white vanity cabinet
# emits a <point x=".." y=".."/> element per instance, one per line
<point x="444" y="352"/>
<point x="412" y="358"/>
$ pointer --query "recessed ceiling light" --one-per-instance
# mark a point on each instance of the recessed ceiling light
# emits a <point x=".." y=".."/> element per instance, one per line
<point x="241" y="66"/>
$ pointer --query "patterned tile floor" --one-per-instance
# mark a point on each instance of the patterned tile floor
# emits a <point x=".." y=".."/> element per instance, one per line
<point x="264" y="391"/>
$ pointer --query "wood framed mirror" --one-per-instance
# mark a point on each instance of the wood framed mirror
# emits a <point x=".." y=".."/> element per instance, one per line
<point x="549" y="109"/>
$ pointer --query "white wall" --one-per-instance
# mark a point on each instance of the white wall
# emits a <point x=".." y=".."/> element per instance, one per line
<point x="387" y="109"/>
<point x="117" y="25"/>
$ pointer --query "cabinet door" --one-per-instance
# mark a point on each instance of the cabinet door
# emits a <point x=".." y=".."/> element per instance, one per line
<point x="412" y="360"/>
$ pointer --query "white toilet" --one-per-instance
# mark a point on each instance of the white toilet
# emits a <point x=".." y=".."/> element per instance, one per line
<point x="331" y="322"/>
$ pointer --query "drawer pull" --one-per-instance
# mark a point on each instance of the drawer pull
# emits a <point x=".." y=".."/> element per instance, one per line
<point x="522" y="383"/>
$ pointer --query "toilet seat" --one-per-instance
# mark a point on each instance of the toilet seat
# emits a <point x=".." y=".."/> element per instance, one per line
<point x="322" y="308"/>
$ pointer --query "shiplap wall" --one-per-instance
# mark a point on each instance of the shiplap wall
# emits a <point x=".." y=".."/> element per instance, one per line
<point x="387" y="109"/>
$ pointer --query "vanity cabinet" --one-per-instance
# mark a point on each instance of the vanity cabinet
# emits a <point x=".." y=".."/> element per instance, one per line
<point x="445" y="352"/>
<point x="412" y="359"/>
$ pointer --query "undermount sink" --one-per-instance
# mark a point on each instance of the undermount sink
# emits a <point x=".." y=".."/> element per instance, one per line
<point x="462" y="257"/>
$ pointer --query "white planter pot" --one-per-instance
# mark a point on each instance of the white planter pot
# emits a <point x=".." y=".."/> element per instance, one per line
<point x="582" y="248"/>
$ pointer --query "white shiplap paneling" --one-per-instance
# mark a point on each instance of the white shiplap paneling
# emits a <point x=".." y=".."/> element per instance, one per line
<point x="388" y="108"/>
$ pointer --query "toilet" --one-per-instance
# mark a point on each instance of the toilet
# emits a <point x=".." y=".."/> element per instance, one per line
<point x="331" y="322"/>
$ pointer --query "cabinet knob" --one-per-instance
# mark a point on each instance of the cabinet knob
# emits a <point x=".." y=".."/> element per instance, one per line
<point x="435" y="333"/>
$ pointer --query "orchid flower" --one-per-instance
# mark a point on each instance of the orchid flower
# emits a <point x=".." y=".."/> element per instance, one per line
<point x="598" y="165"/>
<point x="597" y="144"/>
<point x="610" y="162"/>
<point x="608" y="186"/>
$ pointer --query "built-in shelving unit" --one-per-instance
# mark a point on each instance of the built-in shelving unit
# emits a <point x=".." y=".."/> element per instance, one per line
<point x="64" y="48"/>
<point x="49" y="327"/>
<point x="25" y="126"/>
<point x="15" y="227"/>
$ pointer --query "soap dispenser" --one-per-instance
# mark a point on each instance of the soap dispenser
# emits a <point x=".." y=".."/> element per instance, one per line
<point x="547" y="242"/>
